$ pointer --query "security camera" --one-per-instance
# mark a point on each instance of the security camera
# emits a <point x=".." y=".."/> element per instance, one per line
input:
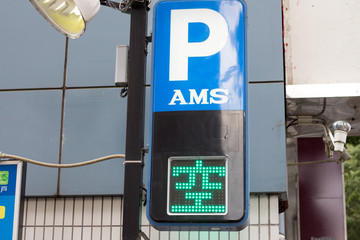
<point x="341" y="129"/>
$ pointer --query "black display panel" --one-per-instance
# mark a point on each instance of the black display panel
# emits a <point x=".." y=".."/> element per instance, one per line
<point x="197" y="138"/>
<point x="197" y="185"/>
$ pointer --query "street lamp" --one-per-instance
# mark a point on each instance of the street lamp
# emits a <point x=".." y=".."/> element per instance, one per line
<point x="70" y="17"/>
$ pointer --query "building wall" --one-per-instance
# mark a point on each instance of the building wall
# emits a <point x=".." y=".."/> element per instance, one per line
<point x="100" y="218"/>
<point x="59" y="103"/>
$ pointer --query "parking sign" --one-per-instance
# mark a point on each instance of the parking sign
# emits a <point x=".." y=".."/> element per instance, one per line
<point x="198" y="168"/>
<point x="199" y="60"/>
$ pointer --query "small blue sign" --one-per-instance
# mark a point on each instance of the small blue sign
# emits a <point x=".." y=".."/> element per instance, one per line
<point x="9" y="199"/>
<point x="199" y="56"/>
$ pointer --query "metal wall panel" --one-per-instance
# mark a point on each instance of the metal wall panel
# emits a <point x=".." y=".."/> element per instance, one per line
<point x="94" y="126"/>
<point x="267" y="138"/>
<point x="30" y="127"/>
<point x="91" y="58"/>
<point x="265" y="42"/>
<point x="31" y="52"/>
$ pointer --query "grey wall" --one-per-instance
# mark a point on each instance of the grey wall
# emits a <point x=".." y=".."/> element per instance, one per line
<point x="58" y="102"/>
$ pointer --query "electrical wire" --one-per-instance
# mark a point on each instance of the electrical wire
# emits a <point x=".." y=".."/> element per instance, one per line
<point x="315" y="162"/>
<point x="70" y="165"/>
<point x="292" y="123"/>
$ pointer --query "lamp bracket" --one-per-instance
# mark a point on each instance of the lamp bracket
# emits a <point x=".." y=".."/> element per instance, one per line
<point x="148" y="39"/>
<point x="328" y="137"/>
<point x="111" y="4"/>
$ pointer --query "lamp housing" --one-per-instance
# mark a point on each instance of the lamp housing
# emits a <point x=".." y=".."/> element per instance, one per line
<point x="68" y="16"/>
<point x="341" y="129"/>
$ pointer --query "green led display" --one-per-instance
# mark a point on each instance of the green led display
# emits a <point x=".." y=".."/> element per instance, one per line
<point x="197" y="185"/>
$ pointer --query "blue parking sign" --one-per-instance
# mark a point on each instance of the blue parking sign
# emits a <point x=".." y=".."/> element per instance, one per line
<point x="198" y="153"/>
<point x="199" y="56"/>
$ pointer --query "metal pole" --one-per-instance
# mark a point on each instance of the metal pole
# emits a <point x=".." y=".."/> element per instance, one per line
<point x="135" y="122"/>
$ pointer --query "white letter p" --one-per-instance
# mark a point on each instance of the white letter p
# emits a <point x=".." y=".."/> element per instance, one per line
<point x="181" y="49"/>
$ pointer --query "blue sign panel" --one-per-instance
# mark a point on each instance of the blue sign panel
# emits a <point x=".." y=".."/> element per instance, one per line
<point x="199" y="56"/>
<point x="9" y="199"/>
